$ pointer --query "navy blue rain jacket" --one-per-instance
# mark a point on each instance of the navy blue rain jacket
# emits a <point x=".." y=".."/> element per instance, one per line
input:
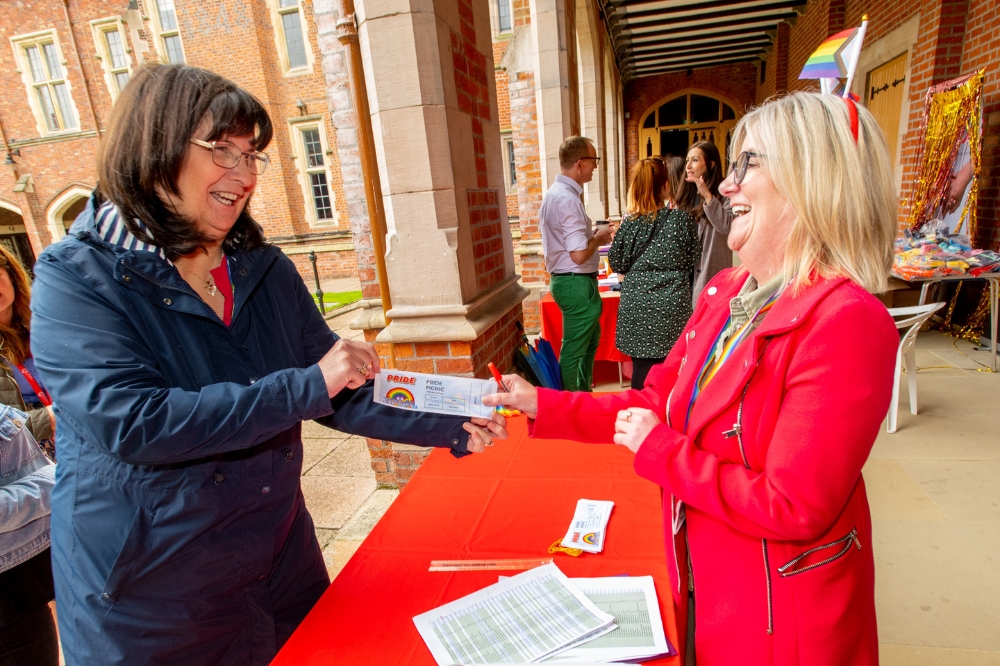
<point x="179" y="531"/>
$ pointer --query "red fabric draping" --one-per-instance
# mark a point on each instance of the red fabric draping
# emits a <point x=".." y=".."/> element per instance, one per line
<point x="552" y="327"/>
<point x="512" y="501"/>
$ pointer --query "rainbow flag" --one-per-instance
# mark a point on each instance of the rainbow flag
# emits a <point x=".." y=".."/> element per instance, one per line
<point x="826" y="61"/>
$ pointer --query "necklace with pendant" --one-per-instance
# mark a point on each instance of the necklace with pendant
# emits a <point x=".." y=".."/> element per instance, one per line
<point x="209" y="283"/>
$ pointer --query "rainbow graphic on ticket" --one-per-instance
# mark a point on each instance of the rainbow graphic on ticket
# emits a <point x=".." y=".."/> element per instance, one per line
<point x="440" y="394"/>
<point x="400" y="397"/>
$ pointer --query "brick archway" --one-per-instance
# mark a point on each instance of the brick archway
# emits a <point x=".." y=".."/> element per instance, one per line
<point x="734" y="84"/>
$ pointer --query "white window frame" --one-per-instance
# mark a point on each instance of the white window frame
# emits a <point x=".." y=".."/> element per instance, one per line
<point x="160" y="34"/>
<point x="507" y="139"/>
<point x="510" y="10"/>
<point x="21" y="44"/>
<point x="277" y="11"/>
<point x="100" y="28"/>
<point x="297" y="127"/>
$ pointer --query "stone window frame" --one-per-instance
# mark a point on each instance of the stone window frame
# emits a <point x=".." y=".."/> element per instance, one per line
<point x="297" y="127"/>
<point x="509" y="165"/>
<point x="161" y="34"/>
<point x="100" y="29"/>
<point x="509" y="4"/>
<point x="277" y="12"/>
<point x="20" y="45"/>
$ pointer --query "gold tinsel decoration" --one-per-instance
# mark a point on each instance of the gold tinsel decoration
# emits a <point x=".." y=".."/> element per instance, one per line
<point x="951" y="110"/>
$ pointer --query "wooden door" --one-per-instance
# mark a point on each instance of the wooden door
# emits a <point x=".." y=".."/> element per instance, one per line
<point x="884" y="98"/>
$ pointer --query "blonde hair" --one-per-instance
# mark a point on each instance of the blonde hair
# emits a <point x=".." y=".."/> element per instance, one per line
<point x="841" y="191"/>
<point x="646" y="183"/>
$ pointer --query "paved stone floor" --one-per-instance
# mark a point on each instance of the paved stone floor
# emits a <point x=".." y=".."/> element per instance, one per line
<point x="934" y="489"/>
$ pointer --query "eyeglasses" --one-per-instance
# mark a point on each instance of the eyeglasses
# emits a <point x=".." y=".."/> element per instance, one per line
<point x="738" y="169"/>
<point x="228" y="156"/>
<point x="597" y="160"/>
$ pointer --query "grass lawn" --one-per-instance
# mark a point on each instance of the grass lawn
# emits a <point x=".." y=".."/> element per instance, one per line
<point x="338" y="299"/>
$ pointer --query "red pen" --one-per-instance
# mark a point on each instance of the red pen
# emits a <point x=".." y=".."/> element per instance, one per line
<point x="503" y="387"/>
<point x="497" y="376"/>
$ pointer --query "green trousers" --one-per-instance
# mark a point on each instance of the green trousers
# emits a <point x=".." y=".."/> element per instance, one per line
<point x="580" y="302"/>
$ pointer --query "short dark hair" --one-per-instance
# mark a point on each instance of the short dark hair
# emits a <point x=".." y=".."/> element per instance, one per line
<point x="572" y="150"/>
<point x="148" y="135"/>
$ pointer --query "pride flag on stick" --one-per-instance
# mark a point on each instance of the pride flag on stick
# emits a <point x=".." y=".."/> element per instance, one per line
<point x="836" y="58"/>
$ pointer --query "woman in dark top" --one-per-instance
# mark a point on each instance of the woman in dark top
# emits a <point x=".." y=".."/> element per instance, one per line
<point x="656" y="248"/>
<point x="712" y="211"/>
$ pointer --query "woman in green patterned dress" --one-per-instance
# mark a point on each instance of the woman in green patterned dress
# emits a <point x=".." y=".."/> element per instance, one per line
<point x="656" y="249"/>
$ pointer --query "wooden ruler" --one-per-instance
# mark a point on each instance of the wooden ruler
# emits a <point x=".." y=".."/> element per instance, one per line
<point x="488" y="565"/>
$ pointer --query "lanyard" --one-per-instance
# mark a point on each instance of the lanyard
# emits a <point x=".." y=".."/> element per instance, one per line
<point x="717" y="357"/>
<point x="42" y="394"/>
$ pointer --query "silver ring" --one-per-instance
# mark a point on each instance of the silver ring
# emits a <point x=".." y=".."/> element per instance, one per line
<point x="628" y="415"/>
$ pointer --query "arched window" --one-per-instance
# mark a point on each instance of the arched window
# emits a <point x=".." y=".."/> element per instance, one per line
<point x="64" y="209"/>
<point x="670" y="126"/>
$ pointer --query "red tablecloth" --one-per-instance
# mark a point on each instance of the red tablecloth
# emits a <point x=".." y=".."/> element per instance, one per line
<point x="552" y="328"/>
<point x="511" y="502"/>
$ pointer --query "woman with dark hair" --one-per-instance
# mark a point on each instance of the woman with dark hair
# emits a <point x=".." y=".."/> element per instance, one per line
<point x="715" y="217"/>
<point x="656" y="248"/>
<point x="19" y="384"/>
<point x="182" y="352"/>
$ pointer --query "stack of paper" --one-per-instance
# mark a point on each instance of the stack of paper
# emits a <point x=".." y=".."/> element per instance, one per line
<point x="632" y="602"/>
<point x="521" y="619"/>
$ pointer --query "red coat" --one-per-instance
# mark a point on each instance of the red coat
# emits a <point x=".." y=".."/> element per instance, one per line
<point x="780" y="533"/>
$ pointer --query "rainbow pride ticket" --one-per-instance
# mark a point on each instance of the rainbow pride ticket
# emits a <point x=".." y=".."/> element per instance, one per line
<point x="589" y="525"/>
<point x="439" y="394"/>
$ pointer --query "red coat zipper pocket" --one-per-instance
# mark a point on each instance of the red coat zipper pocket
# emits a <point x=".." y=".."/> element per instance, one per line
<point x="792" y="568"/>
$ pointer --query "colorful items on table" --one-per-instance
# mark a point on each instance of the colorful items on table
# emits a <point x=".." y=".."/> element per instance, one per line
<point x="933" y="252"/>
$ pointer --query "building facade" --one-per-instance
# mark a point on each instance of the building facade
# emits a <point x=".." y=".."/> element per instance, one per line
<point x="707" y="78"/>
<point x="63" y="65"/>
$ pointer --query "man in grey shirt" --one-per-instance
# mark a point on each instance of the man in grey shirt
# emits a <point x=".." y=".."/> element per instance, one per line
<point x="570" y="247"/>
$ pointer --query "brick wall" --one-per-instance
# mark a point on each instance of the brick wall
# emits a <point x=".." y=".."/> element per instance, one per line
<point x="487" y="243"/>
<point x="500" y="45"/>
<point x="981" y="48"/>
<point x="524" y="125"/>
<point x="233" y="38"/>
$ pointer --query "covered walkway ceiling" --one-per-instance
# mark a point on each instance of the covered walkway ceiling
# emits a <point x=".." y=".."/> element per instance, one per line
<point x="657" y="36"/>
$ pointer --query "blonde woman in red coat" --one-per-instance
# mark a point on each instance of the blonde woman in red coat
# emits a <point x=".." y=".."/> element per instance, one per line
<point x="759" y="421"/>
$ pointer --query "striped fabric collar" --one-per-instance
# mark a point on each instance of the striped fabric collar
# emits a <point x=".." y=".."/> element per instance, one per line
<point x="112" y="229"/>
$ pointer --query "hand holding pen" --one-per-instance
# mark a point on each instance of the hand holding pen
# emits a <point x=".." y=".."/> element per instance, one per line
<point x="515" y="393"/>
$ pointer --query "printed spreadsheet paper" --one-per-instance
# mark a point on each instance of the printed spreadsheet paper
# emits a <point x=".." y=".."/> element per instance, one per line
<point x="440" y="394"/>
<point x="521" y="619"/>
<point x="632" y="602"/>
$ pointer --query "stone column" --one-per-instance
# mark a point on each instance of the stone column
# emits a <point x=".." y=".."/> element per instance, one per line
<point x="553" y="31"/>
<point x="429" y="72"/>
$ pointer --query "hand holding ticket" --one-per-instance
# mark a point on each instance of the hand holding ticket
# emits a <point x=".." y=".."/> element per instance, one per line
<point x="440" y="394"/>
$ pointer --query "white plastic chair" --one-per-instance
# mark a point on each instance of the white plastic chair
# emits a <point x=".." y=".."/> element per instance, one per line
<point x="912" y="317"/>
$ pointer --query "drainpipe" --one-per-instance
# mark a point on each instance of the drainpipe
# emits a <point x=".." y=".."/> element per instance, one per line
<point x="79" y="63"/>
<point x="347" y="34"/>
